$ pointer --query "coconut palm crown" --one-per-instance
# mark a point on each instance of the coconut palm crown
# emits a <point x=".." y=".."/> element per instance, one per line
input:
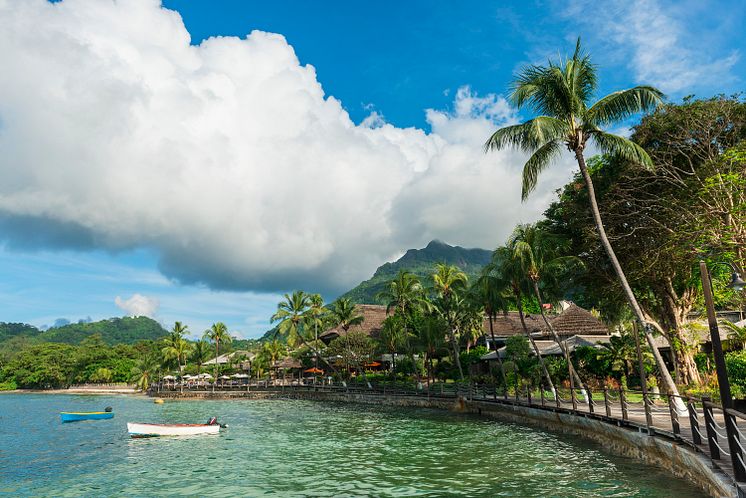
<point x="561" y="93"/>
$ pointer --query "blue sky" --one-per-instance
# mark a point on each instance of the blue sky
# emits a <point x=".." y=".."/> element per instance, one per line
<point x="205" y="181"/>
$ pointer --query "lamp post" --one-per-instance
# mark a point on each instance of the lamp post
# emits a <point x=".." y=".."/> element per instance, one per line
<point x="720" y="368"/>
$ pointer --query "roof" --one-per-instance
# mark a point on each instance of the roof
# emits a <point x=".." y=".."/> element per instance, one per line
<point x="573" y="320"/>
<point x="288" y="362"/>
<point x="373" y="317"/>
<point x="551" y="348"/>
<point x="226" y="358"/>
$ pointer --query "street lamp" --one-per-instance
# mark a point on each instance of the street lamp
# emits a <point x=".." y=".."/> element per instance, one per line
<point x="720" y="368"/>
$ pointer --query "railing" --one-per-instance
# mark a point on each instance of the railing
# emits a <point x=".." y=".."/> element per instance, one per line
<point x="696" y="422"/>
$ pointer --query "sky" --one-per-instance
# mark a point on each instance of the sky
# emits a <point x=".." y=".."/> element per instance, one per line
<point x="194" y="159"/>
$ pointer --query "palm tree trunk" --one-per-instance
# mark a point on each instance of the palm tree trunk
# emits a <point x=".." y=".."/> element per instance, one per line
<point x="519" y="304"/>
<point x="497" y="354"/>
<point x="573" y="373"/>
<point x="456" y="352"/>
<point x="668" y="383"/>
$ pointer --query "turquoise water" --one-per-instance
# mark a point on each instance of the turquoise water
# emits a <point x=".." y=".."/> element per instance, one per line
<point x="298" y="448"/>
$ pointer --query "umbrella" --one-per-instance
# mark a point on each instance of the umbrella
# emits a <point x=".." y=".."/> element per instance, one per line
<point x="240" y="376"/>
<point x="169" y="377"/>
<point x="374" y="364"/>
<point x="314" y="370"/>
<point x="205" y="375"/>
<point x="224" y="377"/>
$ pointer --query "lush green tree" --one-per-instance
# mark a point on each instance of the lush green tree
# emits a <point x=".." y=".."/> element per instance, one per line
<point x="42" y="366"/>
<point x="449" y="286"/>
<point x="175" y="346"/>
<point x="492" y="293"/>
<point x="354" y="349"/>
<point x="345" y="314"/>
<point x="394" y="337"/>
<point x="200" y="354"/>
<point x="736" y="333"/>
<point x="216" y="334"/>
<point x="508" y="268"/>
<point x="430" y="333"/>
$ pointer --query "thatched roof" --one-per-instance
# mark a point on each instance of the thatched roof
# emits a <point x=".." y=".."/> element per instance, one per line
<point x="551" y="348"/>
<point x="573" y="320"/>
<point x="288" y="362"/>
<point x="373" y="317"/>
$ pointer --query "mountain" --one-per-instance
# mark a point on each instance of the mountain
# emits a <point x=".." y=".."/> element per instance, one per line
<point x="125" y="330"/>
<point x="422" y="263"/>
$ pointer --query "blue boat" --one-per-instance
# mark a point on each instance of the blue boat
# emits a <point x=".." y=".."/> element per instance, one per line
<point x="77" y="416"/>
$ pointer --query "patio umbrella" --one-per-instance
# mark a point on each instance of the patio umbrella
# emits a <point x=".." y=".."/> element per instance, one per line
<point x="374" y="364"/>
<point x="224" y="377"/>
<point x="169" y="377"/>
<point x="313" y="370"/>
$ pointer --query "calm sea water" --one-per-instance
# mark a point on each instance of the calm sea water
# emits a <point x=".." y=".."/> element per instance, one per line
<point x="298" y="448"/>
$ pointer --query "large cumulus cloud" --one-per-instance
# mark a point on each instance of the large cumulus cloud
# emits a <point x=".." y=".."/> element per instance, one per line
<point x="227" y="157"/>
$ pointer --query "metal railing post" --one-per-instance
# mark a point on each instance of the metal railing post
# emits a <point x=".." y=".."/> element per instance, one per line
<point x="734" y="446"/>
<point x="712" y="436"/>
<point x="648" y="414"/>
<point x="674" y="416"/>
<point x="528" y="394"/>
<point x="591" y="406"/>
<point x="574" y="399"/>
<point x="623" y="404"/>
<point x="541" y="392"/>
<point x="606" y="401"/>
<point x="693" y="422"/>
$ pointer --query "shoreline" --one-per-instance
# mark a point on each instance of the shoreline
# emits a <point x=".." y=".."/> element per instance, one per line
<point x="80" y="391"/>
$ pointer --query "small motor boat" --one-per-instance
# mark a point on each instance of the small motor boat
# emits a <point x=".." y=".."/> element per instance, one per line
<point x="138" y="430"/>
<point x="78" y="416"/>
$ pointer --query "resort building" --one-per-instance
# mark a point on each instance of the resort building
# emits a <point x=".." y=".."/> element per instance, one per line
<point x="373" y="317"/>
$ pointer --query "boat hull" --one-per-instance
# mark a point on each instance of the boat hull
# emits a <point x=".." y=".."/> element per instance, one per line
<point x="78" y="416"/>
<point x="156" y="430"/>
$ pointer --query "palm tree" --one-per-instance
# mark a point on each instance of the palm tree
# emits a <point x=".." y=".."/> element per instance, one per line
<point x="176" y="347"/>
<point x="509" y="270"/>
<point x="561" y="94"/>
<point x="430" y="335"/>
<point x="534" y="249"/>
<point x="292" y="315"/>
<point x="736" y="334"/>
<point x="393" y="337"/>
<point x="403" y="293"/>
<point x="200" y="354"/>
<point x="449" y="282"/>
<point x="620" y="352"/>
<point x="490" y="292"/>
<point x="217" y="333"/>
<point x="344" y="313"/>
<point x="142" y="374"/>
<point x="314" y="316"/>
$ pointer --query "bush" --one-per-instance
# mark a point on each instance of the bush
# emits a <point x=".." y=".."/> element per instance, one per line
<point x="8" y="385"/>
<point x="735" y="362"/>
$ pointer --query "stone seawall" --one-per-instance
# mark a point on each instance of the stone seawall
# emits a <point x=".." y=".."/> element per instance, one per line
<point x="678" y="459"/>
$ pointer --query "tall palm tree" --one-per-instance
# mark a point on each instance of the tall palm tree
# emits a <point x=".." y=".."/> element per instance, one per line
<point x="217" y="333"/>
<point x="449" y="285"/>
<point x="561" y="94"/>
<point x="534" y="249"/>
<point x="490" y="292"/>
<point x="314" y="318"/>
<point x="344" y="313"/>
<point x="200" y="354"/>
<point x="508" y="268"/>
<point x="403" y="293"/>
<point x="142" y="374"/>
<point x="291" y="313"/>
<point x="176" y="347"/>
<point x="393" y="337"/>
<point x="430" y="336"/>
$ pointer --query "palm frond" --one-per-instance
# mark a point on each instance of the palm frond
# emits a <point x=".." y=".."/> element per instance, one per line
<point x="582" y="78"/>
<point x="536" y="164"/>
<point x="621" y="147"/>
<point x="528" y="136"/>
<point x="543" y="89"/>
<point x="622" y="104"/>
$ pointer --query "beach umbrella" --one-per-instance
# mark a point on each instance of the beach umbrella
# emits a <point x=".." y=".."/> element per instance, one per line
<point x="169" y="377"/>
<point x="313" y="370"/>
<point x="224" y="377"/>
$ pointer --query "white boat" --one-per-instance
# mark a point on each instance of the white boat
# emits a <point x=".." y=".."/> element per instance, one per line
<point x="153" y="430"/>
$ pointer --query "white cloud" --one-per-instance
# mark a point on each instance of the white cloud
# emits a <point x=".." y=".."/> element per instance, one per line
<point x="138" y="305"/>
<point x="660" y="46"/>
<point x="227" y="158"/>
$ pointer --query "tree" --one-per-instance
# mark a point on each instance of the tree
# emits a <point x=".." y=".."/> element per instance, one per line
<point x="449" y="282"/>
<point x="736" y="333"/>
<point x="143" y="373"/>
<point x="536" y="252"/>
<point x="314" y="318"/>
<point x="217" y="333"/>
<point x="393" y="337"/>
<point x="176" y="347"/>
<point x="430" y="334"/>
<point x="344" y="313"/>
<point x="200" y="354"/>
<point x="509" y="270"/>
<point x="354" y="349"/>
<point x="292" y="315"/>
<point x="491" y="293"/>
<point x="561" y="94"/>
